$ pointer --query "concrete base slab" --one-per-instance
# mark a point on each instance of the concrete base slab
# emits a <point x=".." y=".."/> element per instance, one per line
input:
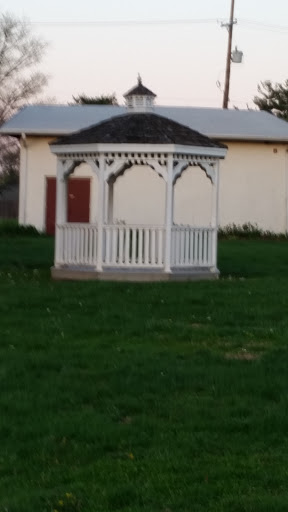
<point x="133" y="275"/>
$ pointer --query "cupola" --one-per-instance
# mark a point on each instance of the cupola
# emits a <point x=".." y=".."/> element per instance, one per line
<point x="139" y="98"/>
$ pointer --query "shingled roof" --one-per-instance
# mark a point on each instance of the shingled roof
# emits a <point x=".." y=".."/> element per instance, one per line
<point x="139" y="90"/>
<point x="139" y="128"/>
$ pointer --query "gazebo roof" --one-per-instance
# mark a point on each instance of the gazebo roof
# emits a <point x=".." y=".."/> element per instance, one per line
<point x="139" y="128"/>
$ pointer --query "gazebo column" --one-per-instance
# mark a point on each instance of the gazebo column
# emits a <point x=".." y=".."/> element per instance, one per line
<point x="61" y="194"/>
<point x="169" y="214"/>
<point x="61" y="210"/>
<point x="215" y="214"/>
<point x="101" y="201"/>
<point x="110" y="201"/>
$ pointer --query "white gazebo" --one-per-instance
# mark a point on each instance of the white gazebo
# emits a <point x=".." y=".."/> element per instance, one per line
<point x="103" y="249"/>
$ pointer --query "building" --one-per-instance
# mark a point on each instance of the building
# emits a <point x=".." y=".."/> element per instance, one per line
<point x="253" y="184"/>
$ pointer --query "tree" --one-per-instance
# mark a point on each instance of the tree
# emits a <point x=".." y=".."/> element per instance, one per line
<point x="274" y="98"/>
<point x="20" y="52"/>
<point x="104" y="99"/>
<point x="10" y="169"/>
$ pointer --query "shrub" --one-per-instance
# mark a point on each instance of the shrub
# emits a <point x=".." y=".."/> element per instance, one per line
<point x="249" y="231"/>
<point x="11" y="227"/>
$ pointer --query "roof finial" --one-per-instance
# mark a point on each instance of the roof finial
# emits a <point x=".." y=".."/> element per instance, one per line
<point x="139" y="79"/>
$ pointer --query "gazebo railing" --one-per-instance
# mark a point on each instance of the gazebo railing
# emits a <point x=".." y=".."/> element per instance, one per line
<point x="192" y="246"/>
<point x="133" y="246"/>
<point x="76" y="244"/>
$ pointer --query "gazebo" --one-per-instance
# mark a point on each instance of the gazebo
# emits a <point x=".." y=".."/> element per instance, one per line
<point x="104" y="249"/>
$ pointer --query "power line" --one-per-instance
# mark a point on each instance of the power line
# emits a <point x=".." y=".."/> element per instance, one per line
<point x="242" y="22"/>
<point x="123" y="23"/>
<point x="264" y="25"/>
<point x="272" y="29"/>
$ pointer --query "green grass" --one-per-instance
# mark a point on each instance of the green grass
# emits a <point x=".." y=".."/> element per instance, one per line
<point x="144" y="397"/>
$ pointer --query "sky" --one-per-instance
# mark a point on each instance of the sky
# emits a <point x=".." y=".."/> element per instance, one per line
<point x="181" y="62"/>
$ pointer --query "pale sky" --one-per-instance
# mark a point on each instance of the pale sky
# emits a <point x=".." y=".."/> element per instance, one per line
<point x="181" y="63"/>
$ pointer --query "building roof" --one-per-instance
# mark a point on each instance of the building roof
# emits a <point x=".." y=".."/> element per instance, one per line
<point x="221" y="124"/>
<point x="139" y="128"/>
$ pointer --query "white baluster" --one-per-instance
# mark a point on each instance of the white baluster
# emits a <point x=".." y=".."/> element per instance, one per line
<point x="192" y="236"/>
<point x="74" y="245"/>
<point x="86" y="246"/>
<point x="134" y="240"/>
<point x="177" y="246"/>
<point x="160" y="247"/>
<point x="79" y="255"/>
<point x="76" y="234"/>
<point x="201" y="247"/>
<point x="83" y="256"/>
<point x="146" y="246"/>
<point x="90" y="245"/>
<point x="67" y="244"/>
<point x="58" y="244"/>
<point x="95" y="245"/>
<point x="205" y="247"/>
<point x="173" y="247"/>
<point x="120" y="260"/>
<point x="108" y="245"/>
<point x="186" y="255"/>
<point x="211" y="233"/>
<point x="114" y="245"/>
<point x="140" y="246"/>
<point x="182" y="248"/>
<point x="153" y="252"/>
<point x="127" y="246"/>
<point x="71" y="235"/>
<point x="196" y="254"/>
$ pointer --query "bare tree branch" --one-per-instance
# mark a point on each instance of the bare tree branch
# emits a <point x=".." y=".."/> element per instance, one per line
<point x="20" y="82"/>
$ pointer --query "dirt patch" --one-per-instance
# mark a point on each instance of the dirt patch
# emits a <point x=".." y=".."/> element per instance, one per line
<point x="127" y="420"/>
<point x="243" y="356"/>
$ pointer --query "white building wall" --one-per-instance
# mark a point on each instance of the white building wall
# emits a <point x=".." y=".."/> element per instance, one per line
<point x="253" y="188"/>
<point x="41" y="163"/>
<point x="253" y="185"/>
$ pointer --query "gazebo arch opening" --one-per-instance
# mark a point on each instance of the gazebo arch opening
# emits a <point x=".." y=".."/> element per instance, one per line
<point x="193" y="195"/>
<point x="107" y="249"/>
<point x="139" y="185"/>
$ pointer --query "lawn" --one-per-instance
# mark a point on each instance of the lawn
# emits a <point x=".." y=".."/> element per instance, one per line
<point x="168" y="397"/>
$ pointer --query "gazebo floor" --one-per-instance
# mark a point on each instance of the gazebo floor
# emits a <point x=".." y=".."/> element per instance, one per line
<point x="77" y="273"/>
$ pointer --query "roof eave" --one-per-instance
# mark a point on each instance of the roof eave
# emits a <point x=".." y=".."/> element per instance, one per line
<point x="218" y="136"/>
<point x="215" y="152"/>
<point x="248" y="138"/>
<point x="35" y="133"/>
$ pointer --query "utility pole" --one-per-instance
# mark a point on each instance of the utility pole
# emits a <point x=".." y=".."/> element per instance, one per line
<point x="229" y="50"/>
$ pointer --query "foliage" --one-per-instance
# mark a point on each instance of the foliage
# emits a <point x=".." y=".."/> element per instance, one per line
<point x="20" y="53"/>
<point x="12" y="228"/>
<point x="144" y="397"/>
<point x="273" y="99"/>
<point x="104" y="99"/>
<point x="248" y="231"/>
<point x="9" y="163"/>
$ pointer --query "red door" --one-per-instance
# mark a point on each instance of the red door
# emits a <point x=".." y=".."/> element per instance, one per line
<point x="78" y="202"/>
